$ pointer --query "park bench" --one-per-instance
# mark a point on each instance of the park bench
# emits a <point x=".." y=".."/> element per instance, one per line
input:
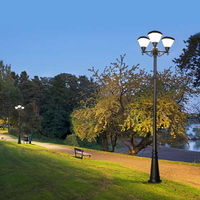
<point x="25" y="139"/>
<point x="81" y="152"/>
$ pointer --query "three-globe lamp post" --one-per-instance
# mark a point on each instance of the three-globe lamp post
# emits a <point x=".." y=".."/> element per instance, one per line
<point x="19" y="108"/>
<point x="154" y="38"/>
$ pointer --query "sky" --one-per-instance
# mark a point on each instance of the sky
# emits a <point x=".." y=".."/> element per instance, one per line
<point x="49" y="37"/>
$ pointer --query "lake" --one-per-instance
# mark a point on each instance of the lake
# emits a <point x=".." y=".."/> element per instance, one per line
<point x="194" y="145"/>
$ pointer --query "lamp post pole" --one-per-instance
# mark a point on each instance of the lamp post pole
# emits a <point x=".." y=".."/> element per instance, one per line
<point x="19" y="108"/>
<point x="19" y="139"/>
<point x="154" y="37"/>
<point x="154" y="177"/>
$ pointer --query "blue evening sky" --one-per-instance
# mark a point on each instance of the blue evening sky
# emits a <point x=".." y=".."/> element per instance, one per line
<point x="48" y="37"/>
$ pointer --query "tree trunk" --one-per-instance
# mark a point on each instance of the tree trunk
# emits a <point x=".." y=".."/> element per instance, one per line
<point x="132" y="145"/>
<point x="4" y="125"/>
<point x="145" y="141"/>
<point x="8" y="125"/>
<point x="105" y="141"/>
<point x="113" y="140"/>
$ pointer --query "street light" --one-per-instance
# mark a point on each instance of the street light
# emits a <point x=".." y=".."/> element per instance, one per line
<point x="154" y="38"/>
<point x="19" y="108"/>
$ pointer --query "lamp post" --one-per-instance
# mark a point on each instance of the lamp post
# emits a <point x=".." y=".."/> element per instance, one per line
<point x="19" y="108"/>
<point x="154" y="38"/>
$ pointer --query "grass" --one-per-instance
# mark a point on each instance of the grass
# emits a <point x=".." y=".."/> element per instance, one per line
<point x="12" y="136"/>
<point x="32" y="172"/>
<point x="45" y="139"/>
<point x="49" y="140"/>
<point x="58" y="141"/>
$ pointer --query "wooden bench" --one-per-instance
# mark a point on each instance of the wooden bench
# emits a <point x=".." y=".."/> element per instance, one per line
<point x="25" y="139"/>
<point x="81" y="152"/>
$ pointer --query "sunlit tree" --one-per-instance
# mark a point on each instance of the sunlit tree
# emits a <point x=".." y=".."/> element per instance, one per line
<point x="124" y="106"/>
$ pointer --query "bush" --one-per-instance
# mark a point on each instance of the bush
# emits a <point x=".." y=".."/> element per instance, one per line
<point x="71" y="140"/>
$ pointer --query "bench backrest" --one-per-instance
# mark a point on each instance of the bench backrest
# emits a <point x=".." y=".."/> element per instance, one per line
<point x="77" y="149"/>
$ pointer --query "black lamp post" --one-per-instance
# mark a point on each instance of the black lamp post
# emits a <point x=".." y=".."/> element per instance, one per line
<point x="19" y="108"/>
<point x="154" y="37"/>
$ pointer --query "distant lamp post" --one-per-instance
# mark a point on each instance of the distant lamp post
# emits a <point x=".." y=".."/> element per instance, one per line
<point x="154" y="38"/>
<point x="19" y="108"/>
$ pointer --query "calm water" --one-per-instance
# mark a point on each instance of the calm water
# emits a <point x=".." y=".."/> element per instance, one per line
<point x="194" y="145"/>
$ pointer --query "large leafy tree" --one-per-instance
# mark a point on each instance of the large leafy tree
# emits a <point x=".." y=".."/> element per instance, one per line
<point x="106" y="110"/>
<point x="123" y="106"/>
<point x="10" y="94"/>
<point x="173" y="91"/>
<point x="189" y="60"/>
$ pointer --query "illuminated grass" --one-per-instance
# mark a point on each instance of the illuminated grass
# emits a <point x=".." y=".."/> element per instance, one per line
<point x="32" y="172"/>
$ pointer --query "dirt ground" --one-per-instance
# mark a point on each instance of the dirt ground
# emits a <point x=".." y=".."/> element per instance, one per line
<point x="184" y="173"/>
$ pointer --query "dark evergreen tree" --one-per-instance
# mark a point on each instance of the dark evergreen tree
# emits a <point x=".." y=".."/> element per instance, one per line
<point x="56" y="121"/>
<point x="15" y="78"/>
<point x="189" y="60"/>
<point x="86" y="88"/>
<point x="33" y="95"/>
<point x="64" y="93"/>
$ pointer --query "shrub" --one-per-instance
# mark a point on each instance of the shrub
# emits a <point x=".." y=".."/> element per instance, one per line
<point x="71" y="140"/>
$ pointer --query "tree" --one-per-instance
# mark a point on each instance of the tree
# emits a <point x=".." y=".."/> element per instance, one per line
<point x="123" y="106"/>
<point x="32" y="120"/>
<point x="99" y="120"/>
<point x="63" y="95"/>
<point x="189" y="60"/>
<point x="196" y="131"/>
<point x="10" y="95"/>
<point x="53" y="119"/>
<point x="86" y="88"/>
<point x="33" y="93"/>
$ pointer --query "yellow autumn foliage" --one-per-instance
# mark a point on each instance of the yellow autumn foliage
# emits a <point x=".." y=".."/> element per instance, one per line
<point x="124" y="103"/>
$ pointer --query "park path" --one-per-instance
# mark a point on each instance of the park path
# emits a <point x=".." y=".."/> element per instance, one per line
<point x="184" y="173"/>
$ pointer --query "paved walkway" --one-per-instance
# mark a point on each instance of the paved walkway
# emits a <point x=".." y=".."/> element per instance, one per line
<point x="184" y="173"/>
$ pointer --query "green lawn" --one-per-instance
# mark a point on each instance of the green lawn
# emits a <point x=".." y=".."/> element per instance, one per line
<point x="31" y="172"/>
<point x="12" y="136"/>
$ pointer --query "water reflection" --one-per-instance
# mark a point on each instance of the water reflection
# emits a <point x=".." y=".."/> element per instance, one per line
<point x="194" y="145"/>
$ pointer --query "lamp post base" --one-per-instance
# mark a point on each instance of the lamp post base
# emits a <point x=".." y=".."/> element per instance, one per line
<point x="154" y="181"/>
<point x="154" y="177"/>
